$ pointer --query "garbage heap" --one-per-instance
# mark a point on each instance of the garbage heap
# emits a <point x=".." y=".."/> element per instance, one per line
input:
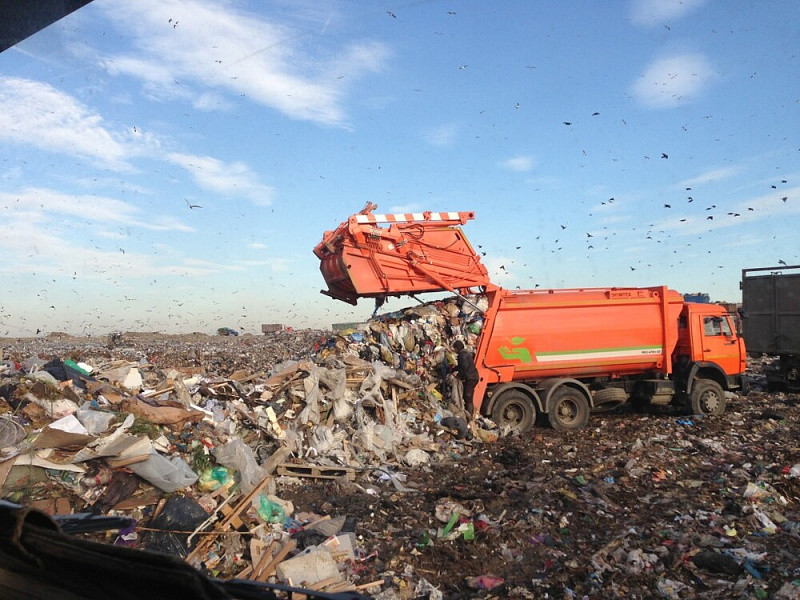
<point x="139" y="426"/>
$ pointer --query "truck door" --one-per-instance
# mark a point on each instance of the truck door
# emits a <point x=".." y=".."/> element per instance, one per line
<point x="720" y="343"/>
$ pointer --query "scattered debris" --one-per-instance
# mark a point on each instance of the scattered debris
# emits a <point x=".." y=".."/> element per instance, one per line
<point x="342" y="462"/>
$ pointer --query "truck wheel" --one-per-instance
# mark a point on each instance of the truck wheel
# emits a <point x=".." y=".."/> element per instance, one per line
<point x="569" y="409"/>
<point x="609" y="399"/>
<point x="514" y="409"/>
<point x="707" y="398"/>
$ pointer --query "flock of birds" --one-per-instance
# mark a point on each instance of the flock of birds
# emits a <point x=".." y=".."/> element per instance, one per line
<point x="593" y="240"/>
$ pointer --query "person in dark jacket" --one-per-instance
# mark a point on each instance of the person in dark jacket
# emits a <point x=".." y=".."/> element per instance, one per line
<point x="465" y="365"/>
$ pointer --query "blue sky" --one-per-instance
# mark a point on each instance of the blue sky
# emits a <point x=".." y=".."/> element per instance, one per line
<point x="554" y="121"/>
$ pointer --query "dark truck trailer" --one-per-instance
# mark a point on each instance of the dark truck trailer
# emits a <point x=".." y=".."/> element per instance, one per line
<point x="771" y="321"/>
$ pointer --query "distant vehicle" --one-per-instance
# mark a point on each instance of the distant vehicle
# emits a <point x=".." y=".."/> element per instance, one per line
<point x="559" y="353"/>
<point x="698" y="298"/>
<point x="771" y="321"/>
<point x="227" y="331"/>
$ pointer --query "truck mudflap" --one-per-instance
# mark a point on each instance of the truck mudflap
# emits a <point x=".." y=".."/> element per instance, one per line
<point x="744" y="384"/>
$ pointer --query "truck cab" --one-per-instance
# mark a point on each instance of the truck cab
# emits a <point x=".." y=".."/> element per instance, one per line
<point x="708" y="348"/>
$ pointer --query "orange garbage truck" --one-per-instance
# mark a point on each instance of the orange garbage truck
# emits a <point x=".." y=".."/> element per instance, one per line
<point x="560" y="353"/>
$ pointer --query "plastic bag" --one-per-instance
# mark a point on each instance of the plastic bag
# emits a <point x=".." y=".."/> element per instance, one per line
<point x="270" y="511"/>
<point x="237" y="455"/>
<point x="180" y="513"/>
<point x="95" y="421"/>
<point x="214" y="478"/>
<point x="343" y="407"/>
<point x="168" y="475"/>
<point x="323" y="439"/>
<point x="311" y="411"/>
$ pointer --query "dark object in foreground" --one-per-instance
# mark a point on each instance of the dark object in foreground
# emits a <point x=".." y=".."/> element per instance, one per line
<point x="716" y="562"/>
<point x="39" y="561"/>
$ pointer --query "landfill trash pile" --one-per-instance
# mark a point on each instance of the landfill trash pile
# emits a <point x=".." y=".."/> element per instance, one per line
<point x="340" y="462"/>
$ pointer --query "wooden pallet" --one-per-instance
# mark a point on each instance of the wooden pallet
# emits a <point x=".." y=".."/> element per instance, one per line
<point x="315" y="471"/>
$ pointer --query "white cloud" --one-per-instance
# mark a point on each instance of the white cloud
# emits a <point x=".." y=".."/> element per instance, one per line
<point x="41" y="204"/>
<point x="232" y="179"/>
<point x="521" y="164"/>
<point x="673" y="81"/>
<point x="444" y="135"/>
<point x="710" y="176"/>
<point x="188" y="49"/>
<point x="36" y="250"/>
<point x="211" y="101"/>
<point x="280" y="265"/>
<point x="657" y="12"/>
<point x="38" y="114"/>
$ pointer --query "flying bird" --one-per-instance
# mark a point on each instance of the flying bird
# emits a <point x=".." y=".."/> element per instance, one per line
<point x="190" y="205"/>
<point x="780" y="262"/>
<point x="667" y="206"/>
<point x="391" y="14"/>
<point x="664" y="155"/>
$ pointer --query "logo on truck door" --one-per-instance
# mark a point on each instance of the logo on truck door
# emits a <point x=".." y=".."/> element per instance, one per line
<point x="521" y="353"/>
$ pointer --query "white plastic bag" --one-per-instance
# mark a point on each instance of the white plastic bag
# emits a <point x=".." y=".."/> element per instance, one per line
<point x="95" y="421"/>
<point x="168" y="475"/>
<point x="238" y="455"/>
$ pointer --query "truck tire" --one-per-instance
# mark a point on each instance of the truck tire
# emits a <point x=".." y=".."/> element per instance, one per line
<point x="514" y="409"/>
<point x="569" y="409"/>
<point x="707" y="397"/>
<point x="609" y="399"/>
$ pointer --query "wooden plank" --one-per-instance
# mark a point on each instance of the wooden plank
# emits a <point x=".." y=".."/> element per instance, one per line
<point x="270" y="568"/>
<point x="315" y="471"/>
<point x="235" y="521"/>
<point x="124" y="462"/>
<point x="264" y="560"/>
<point x="401" y="383"/>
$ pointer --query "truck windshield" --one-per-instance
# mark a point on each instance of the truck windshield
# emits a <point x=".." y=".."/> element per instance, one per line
<point x="716" y="326"/>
